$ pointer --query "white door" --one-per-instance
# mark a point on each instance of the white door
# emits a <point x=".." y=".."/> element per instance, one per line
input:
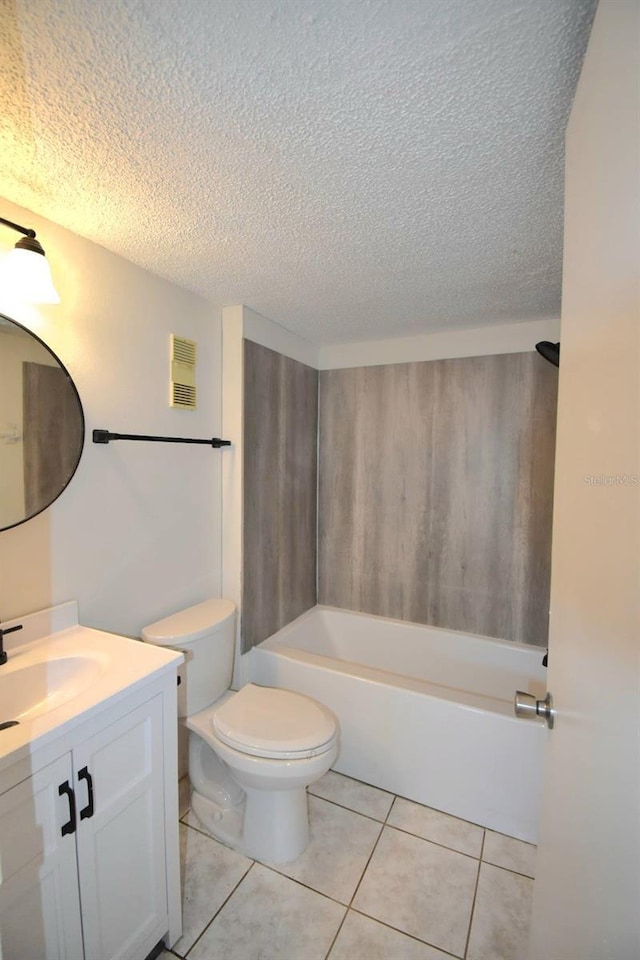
<point x="39" y="899"/>
<point x="119" y="782"/>
<point x="587" y="890"/>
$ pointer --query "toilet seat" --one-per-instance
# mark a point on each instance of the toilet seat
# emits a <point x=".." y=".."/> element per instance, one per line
<point x="273" y="723"/>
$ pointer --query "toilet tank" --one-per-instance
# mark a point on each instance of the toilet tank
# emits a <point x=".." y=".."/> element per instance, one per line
<point x="206" y="635"/>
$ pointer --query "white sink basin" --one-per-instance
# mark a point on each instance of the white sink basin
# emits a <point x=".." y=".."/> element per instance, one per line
<point x="35" y="688"/>
<point x="59" y="674"/>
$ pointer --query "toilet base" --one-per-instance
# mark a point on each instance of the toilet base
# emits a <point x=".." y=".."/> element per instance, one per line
<point x="272" y="826"/>
<point x="223" y="823"/>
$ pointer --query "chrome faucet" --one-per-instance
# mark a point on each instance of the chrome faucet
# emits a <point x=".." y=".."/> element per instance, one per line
<point x="3" y="633"/>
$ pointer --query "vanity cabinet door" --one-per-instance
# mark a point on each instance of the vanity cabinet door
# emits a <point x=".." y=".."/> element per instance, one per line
<point x="39" y="899"/>
<point x="119" y="785"/>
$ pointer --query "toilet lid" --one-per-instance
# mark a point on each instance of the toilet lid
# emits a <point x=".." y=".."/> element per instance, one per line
<point x="267" y="722"/>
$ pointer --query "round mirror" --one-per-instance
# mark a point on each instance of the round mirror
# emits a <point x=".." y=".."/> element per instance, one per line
<point x="41" y="425"/>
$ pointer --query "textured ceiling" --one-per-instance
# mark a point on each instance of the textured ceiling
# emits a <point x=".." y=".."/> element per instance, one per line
<point x="349" y="168"/>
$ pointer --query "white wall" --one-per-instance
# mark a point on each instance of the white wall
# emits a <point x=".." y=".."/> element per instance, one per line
<point x="137" y="534"/>
<point x="516" y="337"/>
<point x="473" y="342"/>
<point x="270" y="334"/>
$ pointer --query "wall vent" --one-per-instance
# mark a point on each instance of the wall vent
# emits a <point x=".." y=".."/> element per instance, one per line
<point x="183" y="373"/>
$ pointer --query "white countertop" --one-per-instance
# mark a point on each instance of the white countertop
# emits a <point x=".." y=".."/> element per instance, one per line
<point x="101" y="667"/>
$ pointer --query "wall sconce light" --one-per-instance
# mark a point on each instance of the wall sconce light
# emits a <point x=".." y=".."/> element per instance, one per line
<point x="25" y="271"/>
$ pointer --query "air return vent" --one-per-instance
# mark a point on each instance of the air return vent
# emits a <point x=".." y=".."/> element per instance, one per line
<point x="183" y="373"/>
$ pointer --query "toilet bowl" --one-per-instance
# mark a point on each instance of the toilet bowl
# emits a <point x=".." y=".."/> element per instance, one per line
<point x="252" y="753"/>
<point x="249" y="789"/>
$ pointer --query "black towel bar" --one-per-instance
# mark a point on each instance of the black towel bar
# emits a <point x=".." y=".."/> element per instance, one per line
<point x="105" y="436"/>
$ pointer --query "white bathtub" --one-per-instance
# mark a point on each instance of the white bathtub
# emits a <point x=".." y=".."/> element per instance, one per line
<point x="424" y="712"/>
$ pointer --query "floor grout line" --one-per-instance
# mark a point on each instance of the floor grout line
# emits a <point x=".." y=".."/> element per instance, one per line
<point x="364" y="783"/>
<point x="410" y="833"/>
<point x="373" y="850"/>
<point x="221" y="907"/>
<point x="382" y="922"/>
<point x="386" y="819"/>
<point x="509" y="836"/>
<point x="343" y="806"/>
<point x="411" y="936"/>
<point x="337" y="934"/>
<point x="472" y="823"/>
<point x="346" y="913"/>
<point x="203" y="833"/>
<point x="518" y="873"/>
<point x="475" y="894"/>
<point x="436" y="843"/>
<point x="301" y="883"/>
<point x="349" y="906"/>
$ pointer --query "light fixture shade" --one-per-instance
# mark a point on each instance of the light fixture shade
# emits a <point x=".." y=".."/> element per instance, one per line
<point x="26" y="275"/>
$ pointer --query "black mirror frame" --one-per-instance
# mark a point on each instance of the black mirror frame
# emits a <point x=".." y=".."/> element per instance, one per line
<point x="35" y="336"/>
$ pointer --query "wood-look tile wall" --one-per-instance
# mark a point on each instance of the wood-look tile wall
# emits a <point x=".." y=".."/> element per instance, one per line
<point x="280" y="491"/>
<point x="435" y="495"/>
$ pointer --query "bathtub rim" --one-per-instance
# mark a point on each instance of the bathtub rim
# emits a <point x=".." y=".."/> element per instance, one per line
<point x="525" y="648"/>
<point x="465" y="699"/>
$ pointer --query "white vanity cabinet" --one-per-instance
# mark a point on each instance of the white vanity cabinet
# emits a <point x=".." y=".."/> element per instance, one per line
<point x="39" y="893"/>
<point x="120" y="840"/>
<point x="88" y="841"/>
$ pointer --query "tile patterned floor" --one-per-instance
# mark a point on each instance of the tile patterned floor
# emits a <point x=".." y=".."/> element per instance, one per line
<point x="383" y="878"/>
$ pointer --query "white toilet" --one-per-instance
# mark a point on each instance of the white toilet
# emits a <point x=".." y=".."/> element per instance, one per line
<point x="252" y="754"/>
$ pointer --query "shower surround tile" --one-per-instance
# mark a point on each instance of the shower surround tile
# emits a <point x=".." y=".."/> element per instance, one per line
<point x="280" y="491"/>
<point x="209" y="872"/>
<point x="421" y="889"/>
<point x="501" y="916"/>
<point x="362" y="938"/>
<point x="435" y="826"/>
<point x="358" y="796"/>
<point x="512" y="854"/>
<point x="270" y="916"/>
<point x="435" y="492"/>
<point x="340" y="846"/>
